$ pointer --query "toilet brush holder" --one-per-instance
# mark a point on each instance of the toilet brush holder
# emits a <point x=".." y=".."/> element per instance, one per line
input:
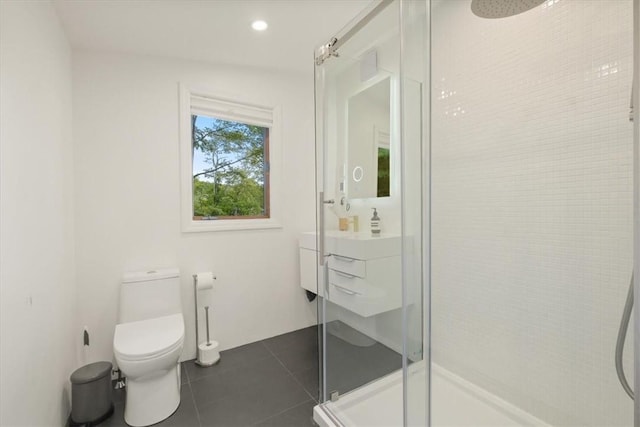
<point x="208" y="353"/>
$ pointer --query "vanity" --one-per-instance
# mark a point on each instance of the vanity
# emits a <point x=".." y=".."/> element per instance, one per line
<point x="362" y="273"/>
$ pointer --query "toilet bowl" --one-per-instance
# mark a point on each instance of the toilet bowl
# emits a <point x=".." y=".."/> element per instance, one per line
<point x="147" y="353"/>
<point x="147" y="345"/>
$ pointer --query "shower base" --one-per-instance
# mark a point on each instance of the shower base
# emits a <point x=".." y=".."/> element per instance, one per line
<point x="455" y="402"/>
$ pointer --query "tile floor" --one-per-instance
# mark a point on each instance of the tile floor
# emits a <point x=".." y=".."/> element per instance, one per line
<point x="273" y="382"/>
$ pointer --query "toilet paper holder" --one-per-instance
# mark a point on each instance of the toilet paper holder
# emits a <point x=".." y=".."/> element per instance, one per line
<point x="209" y="346"/>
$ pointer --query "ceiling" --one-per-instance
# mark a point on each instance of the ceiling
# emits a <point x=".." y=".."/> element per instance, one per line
<point x="209" y="30"/>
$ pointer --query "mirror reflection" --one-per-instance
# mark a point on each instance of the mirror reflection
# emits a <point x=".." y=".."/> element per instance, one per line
<point x="368" y="142"/>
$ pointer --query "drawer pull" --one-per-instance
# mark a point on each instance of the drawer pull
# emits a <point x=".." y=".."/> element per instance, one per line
<point x="345" y="290"/>
<point x="343" y="258"/>
<point x="347" y="275"/>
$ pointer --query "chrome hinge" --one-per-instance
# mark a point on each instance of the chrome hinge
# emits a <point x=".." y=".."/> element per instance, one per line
<point x="327" y="51"/>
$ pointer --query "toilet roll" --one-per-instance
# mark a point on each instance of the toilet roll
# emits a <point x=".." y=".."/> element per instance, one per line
<point x="208" y="353"/>
<point x="205" y="280"/>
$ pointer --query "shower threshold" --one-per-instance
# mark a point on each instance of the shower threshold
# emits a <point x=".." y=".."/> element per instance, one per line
<point x="380" y="403"/>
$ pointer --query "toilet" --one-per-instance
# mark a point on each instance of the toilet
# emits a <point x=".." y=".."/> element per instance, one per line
<point x="147" y="344"/>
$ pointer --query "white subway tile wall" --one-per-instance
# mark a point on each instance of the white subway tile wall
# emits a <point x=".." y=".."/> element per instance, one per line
<point x="532" y="204"/>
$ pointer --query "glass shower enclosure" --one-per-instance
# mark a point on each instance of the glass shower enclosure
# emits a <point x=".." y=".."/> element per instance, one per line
<point x="478" y="205"/>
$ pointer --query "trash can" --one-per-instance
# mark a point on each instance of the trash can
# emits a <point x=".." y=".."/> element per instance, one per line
<point x="91" y="394"/>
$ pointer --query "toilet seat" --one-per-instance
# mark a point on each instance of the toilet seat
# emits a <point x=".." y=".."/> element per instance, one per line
<point x="148" y="339"/>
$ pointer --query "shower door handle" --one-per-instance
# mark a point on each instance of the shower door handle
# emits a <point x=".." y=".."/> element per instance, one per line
<point x="320" y="243"/>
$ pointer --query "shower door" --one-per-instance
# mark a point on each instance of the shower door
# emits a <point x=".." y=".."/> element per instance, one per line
<point x="360" y="273"/>
<point x="370" y="217"/>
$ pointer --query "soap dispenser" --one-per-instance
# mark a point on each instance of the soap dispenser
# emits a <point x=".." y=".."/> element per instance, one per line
<point x="375" y="224"/>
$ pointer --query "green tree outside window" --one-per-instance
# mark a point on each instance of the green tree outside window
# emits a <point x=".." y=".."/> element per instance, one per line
<point x="230" y="169"/>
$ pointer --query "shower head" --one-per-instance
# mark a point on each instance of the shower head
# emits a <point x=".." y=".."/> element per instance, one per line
<point x="493" y="9"/>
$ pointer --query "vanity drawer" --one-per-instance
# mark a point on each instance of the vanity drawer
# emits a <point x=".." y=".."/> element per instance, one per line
<point x="372" y="302"/>
<point x="347" y="281"/>
<point x="351" y="266"/>
<point x="346" y="298"/>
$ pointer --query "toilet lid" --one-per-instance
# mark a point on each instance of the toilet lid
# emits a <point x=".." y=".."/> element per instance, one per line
<point x="145" y="339"/>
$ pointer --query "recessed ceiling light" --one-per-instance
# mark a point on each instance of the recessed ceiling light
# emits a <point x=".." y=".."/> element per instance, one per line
<point x="259" y="25"/>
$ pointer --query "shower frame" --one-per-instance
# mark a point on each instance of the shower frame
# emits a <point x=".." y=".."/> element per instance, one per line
<point x="330" y="49"/>
<point x="636" y="204"/>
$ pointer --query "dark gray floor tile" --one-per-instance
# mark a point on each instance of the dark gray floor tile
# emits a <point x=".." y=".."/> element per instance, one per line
<point x="244" y="354"/>
<point x="195" y="372"/>
<point x="254" y="404"/>
<point x="299" y="416"/>
<point x="227" y="412"/>
<point x="184" y="375"/>
<point x="229" y="359"/>
<point x="301" y="338"/>
<point x="350" y="366"/>
<point x="341" y="349"/>
<point x="186" y="415"/>
<point x="237" y="381"/>
<point x="117" y="395"/>
<point x="309" y="380"/>
<point x="384" y="360"/>
<point x="297" y="358"/>
<point x="347" y="374"/>
<point x="117" y="419"/>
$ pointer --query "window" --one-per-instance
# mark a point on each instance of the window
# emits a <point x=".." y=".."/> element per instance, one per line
<point x="226" y="163"/>
<point x="382" y="162"/>
<point x="230" y="169"/>
<point x="384" y="172"/>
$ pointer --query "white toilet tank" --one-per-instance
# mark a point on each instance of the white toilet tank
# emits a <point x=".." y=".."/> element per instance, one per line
<point x="150" y="294"/>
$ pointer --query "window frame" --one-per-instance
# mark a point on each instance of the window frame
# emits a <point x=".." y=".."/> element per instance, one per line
<point x="203" y="102"/>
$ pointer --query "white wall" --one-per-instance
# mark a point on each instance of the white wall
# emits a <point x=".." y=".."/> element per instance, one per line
<point x="128" y="212"/>
<point x="39" y="337"/>
<point x="532" y="204"/>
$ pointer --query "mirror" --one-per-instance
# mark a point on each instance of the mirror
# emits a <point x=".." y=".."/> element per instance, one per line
<point x="368" y="142"/>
